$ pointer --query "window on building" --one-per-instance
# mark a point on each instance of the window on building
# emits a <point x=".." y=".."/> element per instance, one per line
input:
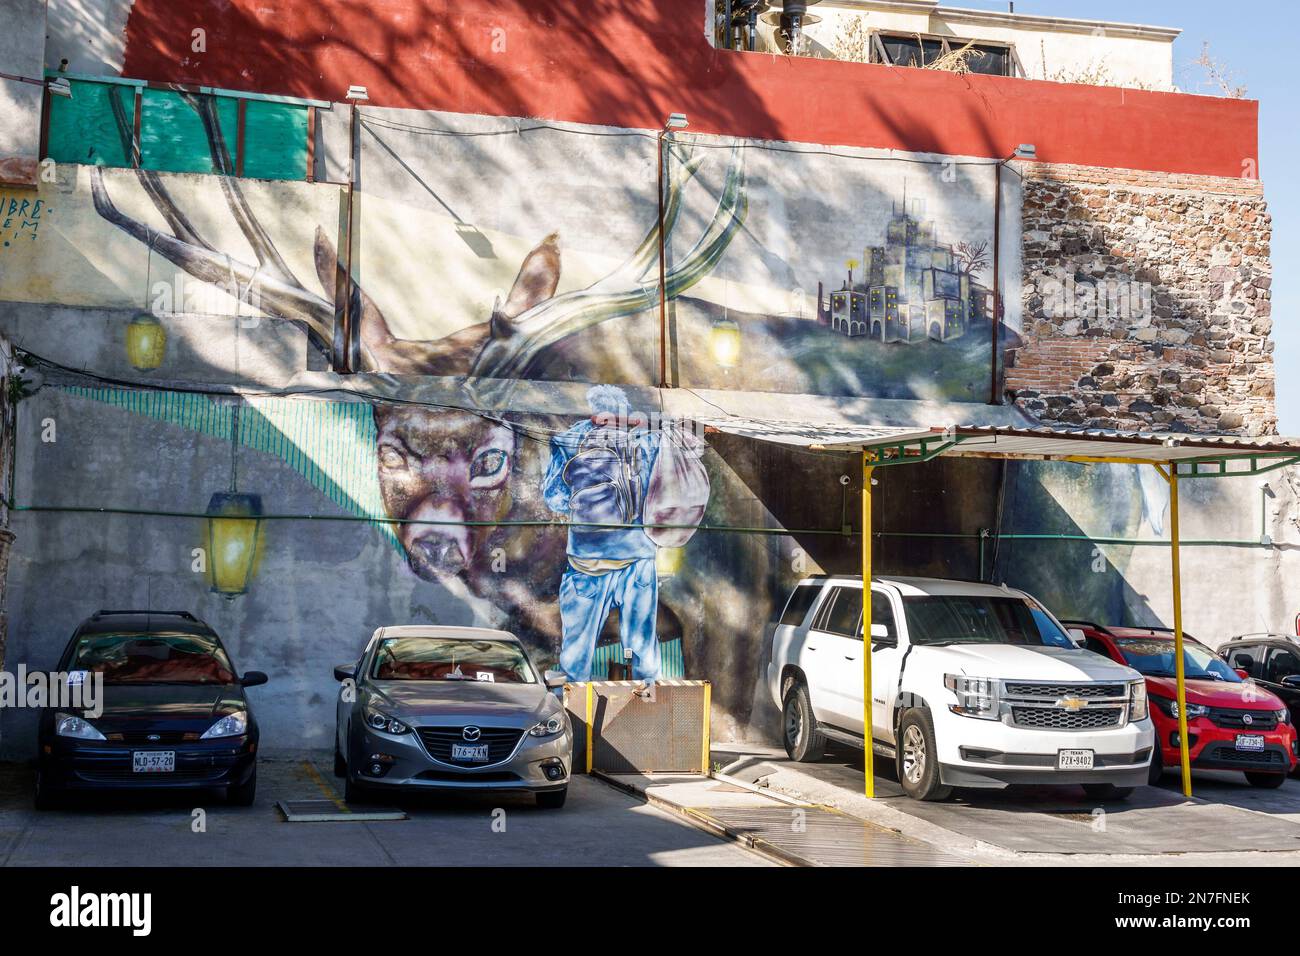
<point x="915" y="49"/>
<point x="125" y="123"/>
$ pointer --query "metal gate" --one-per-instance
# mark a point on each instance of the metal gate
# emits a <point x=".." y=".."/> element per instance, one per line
<point x="617" y="730"/>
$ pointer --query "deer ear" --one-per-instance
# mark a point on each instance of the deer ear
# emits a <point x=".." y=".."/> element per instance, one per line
<point x="537" y="279"/>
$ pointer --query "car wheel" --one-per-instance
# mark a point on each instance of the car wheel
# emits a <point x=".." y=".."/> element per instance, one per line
<point x="918" y="757"/>
<point x="340" y="765"/>
<point x="1157" y="766"/>
<point x="45" y="796"/>
<point x="803" y="739"/>
<point x="1266" y="781"/>
<point x="552" y="799"/>
<point x="242" y="794"/>
<point x="355" y="792"/>
<point x="1106" y="791"/>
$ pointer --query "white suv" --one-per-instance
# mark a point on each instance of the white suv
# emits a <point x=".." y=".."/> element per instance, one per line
<point x="973" y="685"/>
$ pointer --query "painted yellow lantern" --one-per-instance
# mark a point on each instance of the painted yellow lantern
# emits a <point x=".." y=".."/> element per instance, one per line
<point x="146" y="342"/>
<point x="234" y="532"/>
<point x="668" y="561"/>
<point x="724" y="343"/>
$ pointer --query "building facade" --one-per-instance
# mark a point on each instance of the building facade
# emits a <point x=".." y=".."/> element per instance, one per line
<point x="310" y="364"/>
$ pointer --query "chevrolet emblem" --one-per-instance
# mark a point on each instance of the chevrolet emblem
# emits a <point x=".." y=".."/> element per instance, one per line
<point x="1072" y="704"/>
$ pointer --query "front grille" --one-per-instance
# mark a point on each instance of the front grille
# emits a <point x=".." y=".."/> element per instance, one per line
<point x="141" y="738"/>
<point x="1058" y="718"/>
<point x="501" y="742"/>
<point x="112" y="774"/>
<point x="1235" y="719"/>
<point x="492" y="776"/>
<point x="1057" y="691"/>
<point x="1255" y="758"/>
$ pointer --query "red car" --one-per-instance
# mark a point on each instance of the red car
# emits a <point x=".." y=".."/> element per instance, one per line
<point x="1232" y="724"/>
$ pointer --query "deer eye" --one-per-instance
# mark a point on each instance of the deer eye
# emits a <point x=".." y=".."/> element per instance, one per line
<point x="488" y="467"/>
<point x="390" y="457"/>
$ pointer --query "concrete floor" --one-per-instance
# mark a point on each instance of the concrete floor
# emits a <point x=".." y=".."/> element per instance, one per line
<point x="597" y="826"/>
<point x="1227" y="821"/>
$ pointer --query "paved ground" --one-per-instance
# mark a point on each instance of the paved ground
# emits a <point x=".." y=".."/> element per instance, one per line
<point x="598" y="826"/>
<point x="1227" y="822"/>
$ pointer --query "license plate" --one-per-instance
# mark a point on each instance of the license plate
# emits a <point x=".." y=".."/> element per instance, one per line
<point x="473" y="753"/>
<point x="1074" y="760"/>
<point x="1254" y="742"/>
<point x="153" y="761"/>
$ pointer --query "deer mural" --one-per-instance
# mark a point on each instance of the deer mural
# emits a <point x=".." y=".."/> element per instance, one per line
<point x="466" y="487"/>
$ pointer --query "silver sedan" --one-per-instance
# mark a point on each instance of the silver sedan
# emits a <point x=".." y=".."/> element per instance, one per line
<point x="451" y="708"/>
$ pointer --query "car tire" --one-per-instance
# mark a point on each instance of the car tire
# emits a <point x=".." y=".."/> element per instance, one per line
<point x="552" y="799"/>
<point x="918" y="757"/>
<point x="1266" y="781"/>
<point x="1157" y="766"/>
<point x="243" y="794"/>
<point x="355" y="792"/>
<point x="802" y="737"/>
<point x="340" y="765"/>
<point x="46" y="797"/>
<point x="1106" y="791"/>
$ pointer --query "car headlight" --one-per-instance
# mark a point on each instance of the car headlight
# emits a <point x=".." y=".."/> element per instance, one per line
<point x="378" y="720"/>
<point x="1137" y="700"/>
<point x="1193" y="710"/>
<point x="548" y="727"/>
<point x="70" y="725"/>
<point x="976" y="696"/>
<point x="231" y="725"/>
<point x="1284" y="716"/>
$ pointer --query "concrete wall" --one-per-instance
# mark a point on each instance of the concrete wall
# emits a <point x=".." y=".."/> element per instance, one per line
<point x="22" y="45"/>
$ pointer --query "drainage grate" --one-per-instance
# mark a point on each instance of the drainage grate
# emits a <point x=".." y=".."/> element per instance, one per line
<point x="328" y="811"/>
<point x="823" y="837"/>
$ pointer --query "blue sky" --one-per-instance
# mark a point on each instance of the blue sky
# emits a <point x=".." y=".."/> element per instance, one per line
<point x="1247" y="38"/>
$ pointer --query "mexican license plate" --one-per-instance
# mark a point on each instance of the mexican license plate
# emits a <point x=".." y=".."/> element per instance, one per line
<point x="1251" y="742"/>
<point x="1074" y="760"/>
<point x="471" y="753"/>
<point x="153" y="761"/>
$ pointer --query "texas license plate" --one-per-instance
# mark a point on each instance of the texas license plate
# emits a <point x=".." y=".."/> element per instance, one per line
<point x="471" y="753"/>
<point x="1252" y="742"/>
<point x="153" y="761"/>
<point x="1074" y="760"/>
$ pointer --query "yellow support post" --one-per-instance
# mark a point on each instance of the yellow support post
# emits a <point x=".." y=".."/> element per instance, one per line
<point x="868" y="765"/>
<point x="591" y="716"/>
<point x="1180" y="674"/>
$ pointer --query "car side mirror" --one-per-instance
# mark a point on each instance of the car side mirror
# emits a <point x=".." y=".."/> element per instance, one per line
<point x="344" y="672"/>
<point x="253" y="679"/>
<point x="1292" y="681"/>
<point x="1076" y="634"/>
<point x="555" y="679"/>
<point x="1243" y="673"/>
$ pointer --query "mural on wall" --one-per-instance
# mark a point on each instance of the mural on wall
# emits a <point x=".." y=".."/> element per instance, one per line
<point x="550" y="529"/>
<point x="453" y="281"/>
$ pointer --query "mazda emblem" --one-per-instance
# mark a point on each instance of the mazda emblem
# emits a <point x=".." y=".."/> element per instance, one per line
<point x="471" y="733"/>
<point x="1247" y="719"/>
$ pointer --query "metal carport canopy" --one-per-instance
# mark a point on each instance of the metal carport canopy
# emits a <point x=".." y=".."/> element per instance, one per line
<point x="1176" y="456"/>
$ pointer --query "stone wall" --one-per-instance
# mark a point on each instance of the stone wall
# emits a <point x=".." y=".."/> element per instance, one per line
<point x="1146" y="302"/>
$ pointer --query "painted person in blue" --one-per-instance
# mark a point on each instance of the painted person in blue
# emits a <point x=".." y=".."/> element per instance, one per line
<point x="599" y="475"/>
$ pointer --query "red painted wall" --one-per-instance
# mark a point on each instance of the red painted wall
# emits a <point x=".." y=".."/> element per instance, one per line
<point x="631" y="62"/>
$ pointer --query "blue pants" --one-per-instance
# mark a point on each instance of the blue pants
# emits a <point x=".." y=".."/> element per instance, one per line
<point x="585" y="600"/>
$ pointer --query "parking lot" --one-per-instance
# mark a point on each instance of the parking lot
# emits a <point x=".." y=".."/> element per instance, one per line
<point x="1227" y="821"/>
<point x="599" y="825"/>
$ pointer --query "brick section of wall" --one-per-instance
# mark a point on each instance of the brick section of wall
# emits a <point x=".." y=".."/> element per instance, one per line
<point x="1147" y="302"/>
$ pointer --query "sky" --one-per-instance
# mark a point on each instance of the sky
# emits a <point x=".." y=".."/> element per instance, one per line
<point x="1247" y="38"/>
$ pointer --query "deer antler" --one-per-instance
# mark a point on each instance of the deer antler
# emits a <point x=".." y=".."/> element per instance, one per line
<point x="270" y="285"/>
<point x="515" y="344"/>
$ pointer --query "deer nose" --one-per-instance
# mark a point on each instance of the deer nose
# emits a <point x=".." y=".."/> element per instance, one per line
<point x="437" y="552"/>
<point x="440" y="547"/>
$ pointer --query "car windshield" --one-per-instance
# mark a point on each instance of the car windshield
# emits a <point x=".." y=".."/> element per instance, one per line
<point x="1154" y="657"/>
<point x="939" y="619"/>
<point x="153" y="658"/>
<point x="433" y="658"/>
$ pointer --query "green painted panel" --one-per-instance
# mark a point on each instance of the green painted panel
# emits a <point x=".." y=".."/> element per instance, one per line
<point x="83" y="129"/>
<point x="275" y="140"/>
<point x="172" y="138"/>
